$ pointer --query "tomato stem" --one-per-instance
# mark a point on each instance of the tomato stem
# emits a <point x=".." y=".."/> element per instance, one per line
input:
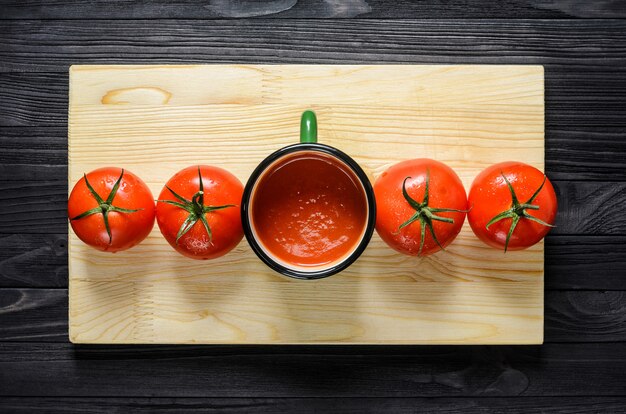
<point x="425" y="214"/>
<point x="518" y="211"/>
<point x="196" y="209"/>
<point x="105" y="207"/>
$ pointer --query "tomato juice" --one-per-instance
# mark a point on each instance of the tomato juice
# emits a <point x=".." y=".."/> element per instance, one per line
<point x="309" y="209"/>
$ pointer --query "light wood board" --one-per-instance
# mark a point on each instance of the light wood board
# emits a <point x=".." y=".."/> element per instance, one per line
<point x="156" y="120"/>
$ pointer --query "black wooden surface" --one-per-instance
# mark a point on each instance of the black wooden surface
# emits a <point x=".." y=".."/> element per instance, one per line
<point x="582" y="366"/>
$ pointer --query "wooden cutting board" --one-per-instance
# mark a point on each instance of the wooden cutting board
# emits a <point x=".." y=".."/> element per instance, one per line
<point x="156" y="120"/>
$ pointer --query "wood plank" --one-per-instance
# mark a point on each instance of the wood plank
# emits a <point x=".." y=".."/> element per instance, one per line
<point x="585" y="207"/>
<point x="571" y="262"/>
<point x="140" y="116"/>
<point x="579" y="145"/>
<point x="585" y="316"/>
<point x="33" y="45"/>
<point x="33" y="207"/>
<point x="28" y="154"/>
<point x="584" y="98"/>
<point x="33" y="260"/>
<point x="572" y="153"/>
<point x="195" y="371"/>
<point x="39" y="98"/>
<point x="585" y="262"/>
<point x="586" y="153"/>
<point x="361" y="405"/>
<point x="570" y="93"/>
<point x="590" y="208"/>
<point x="369" y="9"/>
<point x="33" y="315"/>
<point x="415" y="86"/>
<point x="259" y="308"/>
<point x="461" y="136"/>
<point x="40" y="153"/>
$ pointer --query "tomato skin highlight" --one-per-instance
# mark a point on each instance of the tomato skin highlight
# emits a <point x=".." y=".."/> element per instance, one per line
<point x="445" y="191"/>
<point x="127" y="229"/>
<point x="490" y="195"/>
<point x="220" y="188"/>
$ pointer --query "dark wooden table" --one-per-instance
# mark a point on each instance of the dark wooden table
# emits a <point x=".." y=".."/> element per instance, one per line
<point x="582" y="366"/>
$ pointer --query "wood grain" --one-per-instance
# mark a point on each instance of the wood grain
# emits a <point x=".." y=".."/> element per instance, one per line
<point x="51" y="46"/>
<point x="40" y="153"/>
<point x="33" y="207"/>
<point x="361" y="405"/>
<point x="33" y="260"/>
<point x="460" y="137"/>
<point x="587" y="100"/>
<point x="31" y="315"/>
<point x="598" y="202"/>
<point x="585" y="262"/>
<point x="342" y="310"/>
<point x="312" y="9"/>
<point x="33" y="154"/>
<point x="571" y="262"/>
<point x="597" y="316"/>
<point x="385" y="85"/>
<point x="440" y="107"/>
<point x="586" y="153"/>
<point x="233" y="116"/>
<point x="275" y="371"/>
<point x="35" y="99"/>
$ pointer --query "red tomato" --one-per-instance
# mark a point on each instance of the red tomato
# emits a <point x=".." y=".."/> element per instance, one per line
<point x="515" y="217"/>
<point x="115" y="214"/>
<point x="198" y="212"/>
<point x="411" y="223"/>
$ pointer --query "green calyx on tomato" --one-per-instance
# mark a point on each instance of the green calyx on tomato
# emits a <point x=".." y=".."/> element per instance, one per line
<point x="105" y="206"/>
<point x="425" y="214"/>
<point x="196" y="208"/>
<point x="518" y="211"/>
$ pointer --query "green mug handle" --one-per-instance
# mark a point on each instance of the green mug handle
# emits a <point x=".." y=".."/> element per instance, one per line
<point x="308" y="127"/>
